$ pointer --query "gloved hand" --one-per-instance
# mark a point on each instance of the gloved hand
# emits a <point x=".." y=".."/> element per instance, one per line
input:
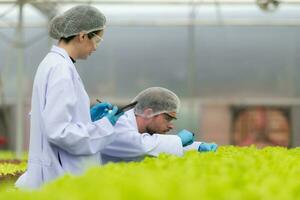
<point x="112" y="117"/>
<point x="204" y="147"/>
<point x="99" y="110"/>
<point x="186" y="137"/>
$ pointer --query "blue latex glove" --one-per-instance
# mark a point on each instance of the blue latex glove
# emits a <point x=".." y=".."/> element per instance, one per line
<point x="186" y="137"/>
<point x="204" y="147"/>
<point x="112" y="117"/>
<point x="99" y="110"/>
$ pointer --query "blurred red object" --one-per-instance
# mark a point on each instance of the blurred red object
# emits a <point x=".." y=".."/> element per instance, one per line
<point x="3" y="140"/>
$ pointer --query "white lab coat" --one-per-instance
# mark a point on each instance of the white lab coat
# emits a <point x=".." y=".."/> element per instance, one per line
<point x="130" y="145"/>
<point x="62" y="136"/>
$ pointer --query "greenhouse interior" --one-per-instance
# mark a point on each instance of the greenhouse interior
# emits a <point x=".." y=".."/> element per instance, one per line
<point x="224" y="83"/>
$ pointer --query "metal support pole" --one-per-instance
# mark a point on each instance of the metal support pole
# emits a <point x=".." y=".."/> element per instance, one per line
<point x="191" y="78"/>
<point x="19" y="86"/>
<point x="192" y="73"/>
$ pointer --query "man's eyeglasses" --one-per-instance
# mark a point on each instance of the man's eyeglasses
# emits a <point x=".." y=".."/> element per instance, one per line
<point x="168" y="117"/>
<point x="97" y="39"/>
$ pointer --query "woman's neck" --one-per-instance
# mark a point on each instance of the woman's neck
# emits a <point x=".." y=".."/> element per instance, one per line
<point x="69" y="48"/>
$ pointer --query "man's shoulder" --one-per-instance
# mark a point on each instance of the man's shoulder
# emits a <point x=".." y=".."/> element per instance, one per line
<point x="127" y="120"/>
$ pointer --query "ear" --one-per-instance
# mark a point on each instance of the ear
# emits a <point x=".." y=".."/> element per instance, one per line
<point x="148" y="112"/>
<point x="81" y="36"/>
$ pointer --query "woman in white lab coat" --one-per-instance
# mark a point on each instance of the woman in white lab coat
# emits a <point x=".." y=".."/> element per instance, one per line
<point x="63" y="137"/>
<point x="142" y="130"/>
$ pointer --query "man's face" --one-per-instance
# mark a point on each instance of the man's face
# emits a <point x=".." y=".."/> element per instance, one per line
<point x="161" y="123"/>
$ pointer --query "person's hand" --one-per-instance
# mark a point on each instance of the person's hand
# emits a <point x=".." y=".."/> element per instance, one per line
<point x="205" y="147"/>
<point x="112" y="117"/>
<point x="186" y="137"/>
<point x="99" y="110"/>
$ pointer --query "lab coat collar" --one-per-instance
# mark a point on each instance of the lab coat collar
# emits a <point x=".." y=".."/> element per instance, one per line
<point x="131" y="115"/>
<point x="61" y="52"/>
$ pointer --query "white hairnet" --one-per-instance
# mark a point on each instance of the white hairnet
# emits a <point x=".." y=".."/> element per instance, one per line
<point x="160" y="100"/>
<point x="78" y="19"/>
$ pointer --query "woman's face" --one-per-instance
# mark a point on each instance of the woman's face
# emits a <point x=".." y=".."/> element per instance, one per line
<point x="89" y="45"/>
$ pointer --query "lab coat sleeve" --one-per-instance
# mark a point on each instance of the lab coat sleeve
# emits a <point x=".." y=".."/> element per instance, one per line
<point x="194" y="146"/>
<point x="129" y="143"/>
<point x="72" y="135"/>
<point x="170" y="144"/>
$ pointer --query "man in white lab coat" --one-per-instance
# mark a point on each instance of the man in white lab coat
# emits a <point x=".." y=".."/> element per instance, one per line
<point x="63" y="138"/>
<point x="142" y="131"/>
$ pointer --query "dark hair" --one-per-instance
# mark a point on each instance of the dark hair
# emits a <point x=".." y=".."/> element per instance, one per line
<point x="90" y="36"/>
<point x="68" y="39"/>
